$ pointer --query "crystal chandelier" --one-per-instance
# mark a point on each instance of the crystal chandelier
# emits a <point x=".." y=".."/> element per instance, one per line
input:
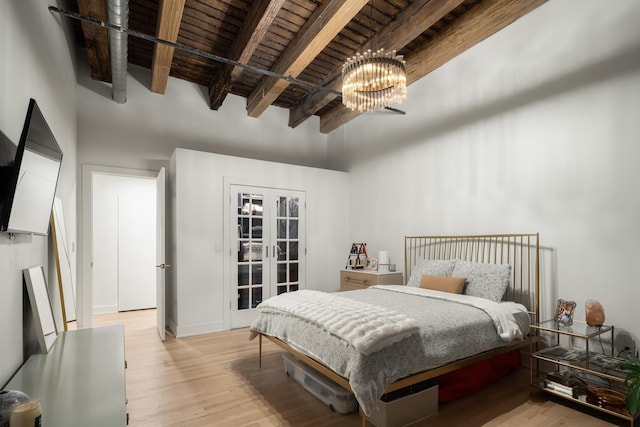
<point x="374" y="81"/>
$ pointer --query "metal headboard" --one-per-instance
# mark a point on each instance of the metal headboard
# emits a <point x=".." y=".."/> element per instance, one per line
<point x="520" y="250"/>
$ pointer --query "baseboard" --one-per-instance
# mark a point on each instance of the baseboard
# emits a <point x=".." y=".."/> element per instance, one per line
<point x="197" y="329"/>
<point x="104" y="309"/>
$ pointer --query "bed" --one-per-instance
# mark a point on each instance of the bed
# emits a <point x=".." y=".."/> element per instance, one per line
<point x="384" y="338"/>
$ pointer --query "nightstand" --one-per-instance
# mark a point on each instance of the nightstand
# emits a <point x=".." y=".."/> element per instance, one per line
<point x="361" y="279"/>
<point x="578" y="373"/>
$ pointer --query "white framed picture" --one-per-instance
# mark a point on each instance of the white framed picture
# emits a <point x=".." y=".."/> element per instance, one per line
<point x="41" y="307"/>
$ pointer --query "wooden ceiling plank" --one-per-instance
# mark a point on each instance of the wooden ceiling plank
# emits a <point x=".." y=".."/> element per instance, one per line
<point x="413" y="21"/>
<point x="96" y="39"/>
<point x="325" y="23"/>
<point x="169" y="19"/>
<point x="482" y="21"/>
<point x="253" y="30"/>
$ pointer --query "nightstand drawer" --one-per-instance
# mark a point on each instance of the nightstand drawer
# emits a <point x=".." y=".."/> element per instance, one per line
<point x="351" y="279"/>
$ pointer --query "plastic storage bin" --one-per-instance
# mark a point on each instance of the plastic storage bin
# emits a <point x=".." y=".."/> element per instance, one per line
<point x="335" y="396"/>
<point x="406" y="406"/>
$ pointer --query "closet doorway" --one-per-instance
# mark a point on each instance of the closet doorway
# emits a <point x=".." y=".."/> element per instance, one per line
<point x="268" y="247"/>
<point x="124" y="243"/>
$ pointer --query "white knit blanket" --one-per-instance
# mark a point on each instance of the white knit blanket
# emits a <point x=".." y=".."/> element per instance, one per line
<point x="368" y="328"/>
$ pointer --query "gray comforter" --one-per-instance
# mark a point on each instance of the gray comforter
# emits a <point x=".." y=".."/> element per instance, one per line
<point x="448" y="331"/>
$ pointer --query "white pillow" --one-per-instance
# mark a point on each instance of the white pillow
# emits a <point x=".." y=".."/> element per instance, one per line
<point x="431" y="267"/>
<point x="488" y="281"/>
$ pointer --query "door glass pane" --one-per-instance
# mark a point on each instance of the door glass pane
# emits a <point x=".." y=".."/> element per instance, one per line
<point x="243" y="275"/>
<point x="243" y="299"/>
<point x="293" y="207"/>
<point x="256" y="228"/>
<point x="256" y="274"/>
<point x="256" y="297"/>
<point x="281" y="207"/>
<point x="293" y="229"/>
<point x="282" y="273"/>
<point x="282" y="251"/>
<point x="293" y="287"/>
<point x="293" y="272"/>
<point x="282" y="229"/>
<point x="293" y="251"/>
<point x="282" y="289"/>
<point x="243" y="228"/>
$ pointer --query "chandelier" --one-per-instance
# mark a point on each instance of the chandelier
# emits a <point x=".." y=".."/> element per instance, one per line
<point x="374" y="81"/>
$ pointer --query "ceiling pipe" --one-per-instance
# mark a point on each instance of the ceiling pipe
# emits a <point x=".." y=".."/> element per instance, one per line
<point x="118" y="15"/>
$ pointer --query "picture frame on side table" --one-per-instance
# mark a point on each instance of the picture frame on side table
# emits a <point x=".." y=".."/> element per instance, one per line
<point x="357" y="256"/>
<point x="372" y="264"/>
<point x="44" y="322"/>
<point x="564" y="312"/>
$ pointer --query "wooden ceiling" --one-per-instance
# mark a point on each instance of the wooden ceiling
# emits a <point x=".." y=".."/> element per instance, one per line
<point x="307" y="40"/>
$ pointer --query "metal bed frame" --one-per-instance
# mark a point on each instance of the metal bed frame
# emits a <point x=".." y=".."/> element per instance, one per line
<point x="520" y="250"/>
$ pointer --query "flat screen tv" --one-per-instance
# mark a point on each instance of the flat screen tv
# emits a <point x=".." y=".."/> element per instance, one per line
<point x="29" y="181"/>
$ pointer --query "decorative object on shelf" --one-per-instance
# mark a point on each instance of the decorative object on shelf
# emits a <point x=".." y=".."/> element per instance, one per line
<point x="357" y="256"/>
<point x="372" y="264"/>
<point x="565" y="382"/>
<point x="9" y="399"/>
<point x="594" y="312"/>
<point x="383" y="260"/>
<point x="373" y="81"/>
<point x="605" y="398"/>
<point x="564" y="312"/>
<point x="632" y="382"/>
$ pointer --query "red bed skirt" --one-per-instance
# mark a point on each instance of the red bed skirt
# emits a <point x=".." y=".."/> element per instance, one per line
<point x="467" y="380"/>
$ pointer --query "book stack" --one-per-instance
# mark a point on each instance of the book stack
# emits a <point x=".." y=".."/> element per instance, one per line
<point x="564" y="383"/>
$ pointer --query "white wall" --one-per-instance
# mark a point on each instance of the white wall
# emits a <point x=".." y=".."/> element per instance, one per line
<point x="535" y="129"/>
<point x="198" y="295"/>
<point x="106" y="191"/>
<point x="35" y="63"/>
<point x="143" y="132"/>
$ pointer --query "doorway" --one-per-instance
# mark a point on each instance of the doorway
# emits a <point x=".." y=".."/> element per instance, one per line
<point x="121" y="208"/>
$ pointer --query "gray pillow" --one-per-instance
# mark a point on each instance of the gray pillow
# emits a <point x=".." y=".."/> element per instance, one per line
<point x="431" y="267"/>
<point x="488" y="281"/>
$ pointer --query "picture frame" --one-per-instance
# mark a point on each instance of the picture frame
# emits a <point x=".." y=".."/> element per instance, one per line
<point x="372" y="264"/>
<point x="357" y="256"/>
<point x="564" y="312"/>
<point x="45" y="324"/>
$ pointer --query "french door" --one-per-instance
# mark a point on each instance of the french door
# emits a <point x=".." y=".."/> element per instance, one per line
<point x="268" y="238"/>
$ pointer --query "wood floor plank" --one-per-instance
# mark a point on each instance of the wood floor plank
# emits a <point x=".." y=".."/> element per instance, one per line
<point x="214" y="380"/>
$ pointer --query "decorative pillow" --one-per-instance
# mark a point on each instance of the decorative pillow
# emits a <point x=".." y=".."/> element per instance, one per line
<point x="432" y="267"/>
<point x="444" y="284"/>
<point x="488" y="281"/>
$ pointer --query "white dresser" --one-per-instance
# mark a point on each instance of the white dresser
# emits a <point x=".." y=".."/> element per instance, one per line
<point x="81" y="381"/>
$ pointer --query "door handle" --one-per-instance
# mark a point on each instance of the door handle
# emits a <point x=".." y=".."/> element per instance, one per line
<point x="163" y="266"/>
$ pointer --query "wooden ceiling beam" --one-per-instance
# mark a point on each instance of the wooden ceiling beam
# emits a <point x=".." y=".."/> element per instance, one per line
<point x="325" y="23"/>
<point x="96" y="39"/>
<point x="482" y="21"/>
<point x="413" y="21"/>
<point x="168" y="26"/>
<point x="253" y="30"/>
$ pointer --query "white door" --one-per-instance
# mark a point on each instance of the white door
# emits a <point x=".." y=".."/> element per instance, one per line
<point x="268" y="247"/>
<point x="136" y="253"/>
<point x="160" y="253"/>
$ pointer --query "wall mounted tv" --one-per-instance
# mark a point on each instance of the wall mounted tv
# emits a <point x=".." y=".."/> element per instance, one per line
<point x="29" y="181"/>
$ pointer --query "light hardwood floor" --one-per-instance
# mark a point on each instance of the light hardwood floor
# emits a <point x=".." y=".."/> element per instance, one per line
<point x="214" y="380"/>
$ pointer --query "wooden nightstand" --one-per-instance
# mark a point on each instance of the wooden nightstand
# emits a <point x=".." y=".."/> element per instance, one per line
<point x="361" y="279"/>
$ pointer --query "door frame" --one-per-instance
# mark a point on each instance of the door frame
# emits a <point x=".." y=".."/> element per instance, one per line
<point x="85" y="291"/>
<point x="227" y="249"/>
